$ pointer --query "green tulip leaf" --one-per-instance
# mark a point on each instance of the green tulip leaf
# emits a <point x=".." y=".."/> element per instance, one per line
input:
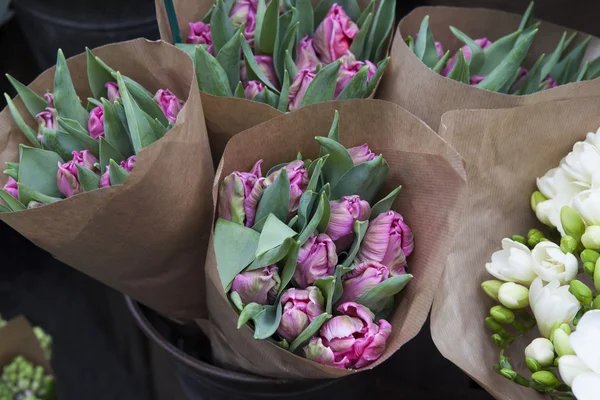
<point x="498" y="51"/>
<point x="290" y="65"/>
<point x="364" y="180"/>
<point x="320" y="217"/>
<point x="381" y="29"/>
<point x="221" y="29"/>
<point x="307" y="201"/>
<point x="114" y="132"/>
<point x="253" y="68"/>
<point x="477" y="56"/>
<point x="594" y="69"/>
<point x="236" y="300"/>
<point x="250" y="311"/>
<point x="107" y="153"/>
<point x="145" y="100"/>
<point x="370" y="9"/>
<point x="273" y="234"/>
<point x="310" y="331"/>
<point x="306" y="18"/>
<point x="534" y="78"/>
<point x="239" y="91"/>
<point x="12" y="203"/>
<point x="322" y="87"/>
<point x="66" y="101"/>
<point x="460" y="72"/>
<point x="285" y="90"/>
<point x="437" y="68"/>
<point x="376" y="299"/>
<point x="385" y="204"/>
<point x="339" y="161"/>
<point x="4" y="209"/>
<point x="118" y="175"/>
<point x="425" y="48"/>
<point x="356" y="88"/>
<point x="339" y="287"/>
<point x="12" y="170"/>
<point x="576" y="55"/>
<point x="502" y="74"/>
<point x="212" y="78"/>
<point x="326" y="189"/>
<point x="29" y="133"/>
<point x="34" y="103"/>
<point x="351" y="8"/>
<point x="358" y="44"/>
<point x="188" y="48"/>
<point x="360" y="229"/>
<point x="377" y="76"/>
<point x="97" y="74"/>
<point x="92" y="103"/>
<point x="229" y="57"/>
<point x="78" y="132"/>
<point x="272" y="256"/>
<point x="29" y="194"/>
<point x="269" y="28"/>
<point x="289" y="266"/>
<point x="548" y="66"/>
<point x="87" y="178"/>
<point x="334" y="131"/>
<point x="327" y="287"/>
<point x="315" y="172"/>
<point x="526" y="20"/>
<point x="267" y="321"/>
<point x="410" y="42"/>
<point x="567" y="72"/>
<point x="229" y="235"/>
<point x="275" y="199"/>
<point x="261" y="9"/>
<point x="61" y="142"/>
<point x="156" y="127"/>
<point x="285" y="46"/>
<point x="37" y="170"/>
<point x="582" y="72"/>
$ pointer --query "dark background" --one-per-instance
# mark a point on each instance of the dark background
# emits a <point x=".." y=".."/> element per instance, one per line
<point x="99" y="353"/>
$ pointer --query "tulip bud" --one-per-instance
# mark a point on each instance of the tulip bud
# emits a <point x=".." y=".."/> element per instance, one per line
<point x="112" y="91"/>
<point x="519" y="239"/>
<point x="258" y="286"/>
<point x="571" y="222"/>
<point x="334" y="35"/>
<point x="129" y="164"/>
<point x="317" y="259"/>
<point x="265" y="64"/>
<point x="244" y="12"/>
<point x="596" y="303"/>
<point x="344" y="213"/>
<point x="363" y="277"/>
<point x="67" y="177"/>
<point x="306" y="58"/>
<point x="541" y="350"/>
<point x="96" y="122"/>
<point x="562" y="346"/>
<point x="589" y="267"/>
<point x="50" y="99"/>
<point x="200" y="34"/>
<point x="319" y="353"/>
<point x="502" y="315"/>
<point x="513" y="296"/>
<point x="591" y="238"/>
<point x="298" y="177"/>
<point x="105" y="178"/>
<point x="361" y="154"/>
<point x="588" y="255"/>
<point x="350" y="67"/>
<point x="12" y="187"/>
<point x="546" y="378"/>
<point x="491" y="288"/>
<point x="300" y="308"/>
<point x="581" y="292"/>
<point x="47" y="118"/>
<point x="536" y="198"/>
<point x="168" y="103"/>
<point x="298" y="88"/>
<point x="252" y="89"/>
<point x="568" y="244"/>
<point x="388" y="241"/>
<point x="239" y="195"/>
<point x="532" y="365"/>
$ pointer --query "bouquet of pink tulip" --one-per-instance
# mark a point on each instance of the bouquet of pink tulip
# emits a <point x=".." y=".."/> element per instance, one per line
<point x="541" y="273"/>
<point x="287" y="54"/>
<point x="496" y="66"/>
<point x="318" y="267"/>
<point x="78" y="149"/>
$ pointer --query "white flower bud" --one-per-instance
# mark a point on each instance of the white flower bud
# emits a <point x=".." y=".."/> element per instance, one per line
<point x="541" y="350"/>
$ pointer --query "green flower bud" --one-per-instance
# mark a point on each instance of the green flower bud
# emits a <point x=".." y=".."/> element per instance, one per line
<point x="536" y="198"/>
<point x="535" y="233"/>
<point x="597" y="276"/>
<point x="581" y="291"/>
<point x="591" y="238"/>
<point x="502" y="315"/>
<point x="533" y="365"/>
<point x="561" y="342"/>
<point x="568" y="244"/>
<point x="545" y="378"/>
<point x="491" y="288"/>
<point x="519" y="239"/>
<point x="493" y="325"/>
<point x="589" y="256"/>
<point x="508" y="373"/>
<point x="566" y="328"/>
<point x="514" y="296"/>
<point x="572" y="223"/>
<point x="589" y="267"/>
<point x="501" y="343"/>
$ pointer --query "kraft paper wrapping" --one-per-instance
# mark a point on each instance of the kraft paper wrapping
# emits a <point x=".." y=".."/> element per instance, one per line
<point x="17" y="339"/>
<point x="432" y="200"/>
<point x="146" y="238"/>
<point x="505" y="151"/>
<point x="411" y="84"/>
<point x="225" y="116"/>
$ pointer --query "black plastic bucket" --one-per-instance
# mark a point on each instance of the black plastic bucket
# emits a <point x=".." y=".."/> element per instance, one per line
<point x="74" y="24"/>
<point x="189" y="352"/>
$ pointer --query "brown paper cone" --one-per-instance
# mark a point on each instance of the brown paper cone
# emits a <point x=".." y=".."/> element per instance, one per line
<point x="17" y="339"/>
<point x="505" y="151"/>
<point x="224" y="116"/>
<point x="146" y="238"/>
<point x="411" y="84"/>
<point x="431" y="201"/>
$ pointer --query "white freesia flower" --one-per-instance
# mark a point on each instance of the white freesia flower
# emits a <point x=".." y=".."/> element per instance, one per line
<point x="553" y="182"/>
<point x="541" y="350"/>
<point x="514" y="296"/>
<point x="587" y="204"/>
<point x="593" y="138"/>
<point x="513" y="263"/>
<point x="584" y="376"/>
<point x="548" y="212"/>
<point x="550" y="263"/>
<point x="581" y="163"/>
<point x="551" y="304"/>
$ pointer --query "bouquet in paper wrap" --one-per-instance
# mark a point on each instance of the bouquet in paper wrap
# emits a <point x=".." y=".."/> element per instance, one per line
<point x="449" y="58"/>
<point x="321" y="250"/>
<point x="281" y="55"/>
<point x="85" y="182"/>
